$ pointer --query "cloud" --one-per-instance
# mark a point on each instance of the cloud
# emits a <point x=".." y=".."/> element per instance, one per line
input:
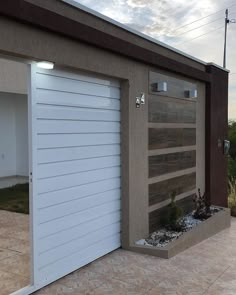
<point x="162" y="20"/>
<point x="136" y="3"/>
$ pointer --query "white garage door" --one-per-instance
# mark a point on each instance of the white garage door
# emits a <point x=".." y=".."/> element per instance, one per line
<point x="75" y="170"/>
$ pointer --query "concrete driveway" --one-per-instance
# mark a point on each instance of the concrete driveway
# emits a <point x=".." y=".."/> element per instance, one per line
<point x="208" y="268"/>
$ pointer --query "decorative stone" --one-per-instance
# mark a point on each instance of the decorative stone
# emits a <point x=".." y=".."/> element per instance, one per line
<point x="165" y="243"/>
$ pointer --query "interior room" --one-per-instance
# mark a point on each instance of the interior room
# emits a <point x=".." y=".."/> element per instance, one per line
<point x="14" y="178"/>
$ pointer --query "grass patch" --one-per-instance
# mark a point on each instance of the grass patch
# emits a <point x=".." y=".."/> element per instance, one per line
<point x="15" y="198"/>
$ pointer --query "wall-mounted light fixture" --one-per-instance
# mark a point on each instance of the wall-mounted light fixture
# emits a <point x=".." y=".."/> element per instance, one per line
<point x="140" y="100"/>
<point x="159" y="87"/>
<point x="191" y="93"/>
<point x="45" y="65"/>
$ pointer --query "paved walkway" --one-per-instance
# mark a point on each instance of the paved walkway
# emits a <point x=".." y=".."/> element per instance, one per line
<point x="14" y="251"/>
<point x="209" y="268"/>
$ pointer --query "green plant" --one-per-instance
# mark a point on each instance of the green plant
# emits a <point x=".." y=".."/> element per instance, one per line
<point x="232" y="151"/>
<point x="232" y="138"/>
<point x="202" y="206"/>
<point x="232" y="196"/>
<point x="174" y="214"/>
<point x="15" y="198"/>
<point x="231" y="168"/>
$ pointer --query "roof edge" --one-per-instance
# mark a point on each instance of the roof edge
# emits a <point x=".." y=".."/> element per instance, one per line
<point x="218" y="66"/>
<point x="135" y="32"/>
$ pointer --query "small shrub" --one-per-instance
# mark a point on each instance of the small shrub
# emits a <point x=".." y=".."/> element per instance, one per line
<point x="202" y="207"/>
<point x="232" y="196"/>
<point x="174" y="214"/>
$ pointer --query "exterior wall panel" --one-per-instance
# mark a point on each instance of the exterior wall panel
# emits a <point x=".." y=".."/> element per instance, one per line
<point x="170" y="110"/>
<point x="171" y="137"/>
<point x="176" y="142"/>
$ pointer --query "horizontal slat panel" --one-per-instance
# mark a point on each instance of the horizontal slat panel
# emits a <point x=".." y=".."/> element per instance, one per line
<point x="62" y="168"/>
<point x="91" y="78"/>
<point x="162" y="191"/>
<point x="76" y="153"/>
<point x="70" y="180"/>
<point x="171" y="150"/>
<point x="69" y="140"/>
<point x="75" y="232"/>
<point x="171" y="175"/>
<point x="166" y="138"/>
<point x="61" y="126"/>
<point x="171" y="125"/>
<point x="163" y="164"/>
<point x="74" y="206"/>
<point x="74" y="193"/>
<point x="78" y="244"/>
<point x="163" y="110"/>
<point x="78" y="170"/>
<point x="70" y="85"/>
<point x="68" y="221"/>
<point x="76" y="113"/>
<point x="81" y="258"/>
<point x="76" y="100"/>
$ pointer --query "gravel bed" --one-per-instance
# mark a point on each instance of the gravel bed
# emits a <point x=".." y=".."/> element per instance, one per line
<point x="163" y="237"/>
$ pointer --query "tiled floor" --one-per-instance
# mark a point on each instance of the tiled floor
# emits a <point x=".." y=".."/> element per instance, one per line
<point x="14" y="252"/>
<point x="209" y="268"/>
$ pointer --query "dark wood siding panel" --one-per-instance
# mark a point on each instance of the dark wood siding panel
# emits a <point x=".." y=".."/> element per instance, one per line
<point x="156" y="217"/>
<point x="175" y="87"/>
<point x="171" y="137"/>
<point x="163" y="164"/>
<point x="164" y="110"/>
<point x="216" y="132"/>
<point x="162" y="190"/>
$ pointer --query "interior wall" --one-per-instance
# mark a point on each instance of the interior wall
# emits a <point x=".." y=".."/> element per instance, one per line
<point x="14" y="135"/>
<point x="21" y="121"/>
<point x="13" y="76"/>
<point x="7" y="135"/>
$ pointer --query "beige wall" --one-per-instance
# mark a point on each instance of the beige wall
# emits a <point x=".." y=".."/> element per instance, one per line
<point x="13" y="77"/>
<point x="200" y="161"/>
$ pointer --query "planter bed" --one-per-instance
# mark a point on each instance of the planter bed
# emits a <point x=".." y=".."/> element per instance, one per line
<point x="199" y="232"/>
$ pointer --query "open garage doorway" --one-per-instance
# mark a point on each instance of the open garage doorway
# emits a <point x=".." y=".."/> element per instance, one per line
<point x="71" y="146"/>
<point x="14" y="178"/>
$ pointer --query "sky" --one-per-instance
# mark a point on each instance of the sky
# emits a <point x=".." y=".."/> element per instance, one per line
<point x="177" y="23"/>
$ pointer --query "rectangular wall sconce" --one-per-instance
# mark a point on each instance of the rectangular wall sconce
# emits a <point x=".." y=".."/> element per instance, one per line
<point x="159" y="87"/>
<point x="191" y="93"/>
<point x="45" y="65"/>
